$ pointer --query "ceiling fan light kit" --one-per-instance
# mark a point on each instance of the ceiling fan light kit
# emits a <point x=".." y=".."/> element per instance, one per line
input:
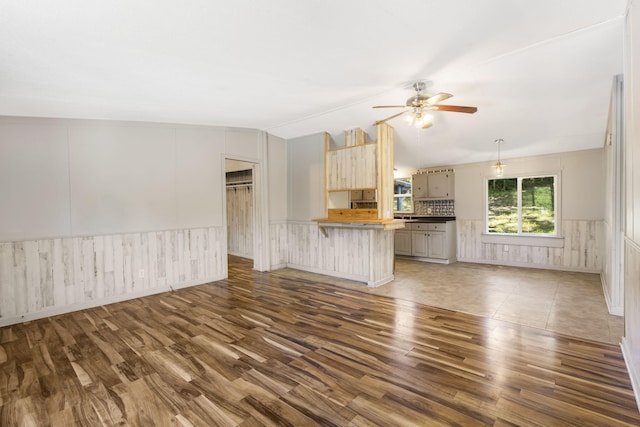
<point x="419" y="119"/>
<point x="418" y="105"/>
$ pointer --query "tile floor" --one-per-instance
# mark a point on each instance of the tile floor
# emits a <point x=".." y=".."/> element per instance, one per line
<point x="566" y="302"/>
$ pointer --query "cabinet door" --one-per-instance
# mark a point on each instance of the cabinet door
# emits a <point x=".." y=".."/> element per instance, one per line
<point x="437" y="244"/>
<point x="369" y="195"/>
<point x="402" y="242"/>
<point x="438" y="186"/>
<point x="419" y="186"/>
<point x="419" y="243"/>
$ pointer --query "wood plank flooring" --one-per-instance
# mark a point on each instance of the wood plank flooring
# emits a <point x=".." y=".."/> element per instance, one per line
<point x="266" y="349"/>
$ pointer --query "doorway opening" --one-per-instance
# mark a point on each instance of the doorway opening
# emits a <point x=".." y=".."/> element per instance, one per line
<point x="240" y="208"/>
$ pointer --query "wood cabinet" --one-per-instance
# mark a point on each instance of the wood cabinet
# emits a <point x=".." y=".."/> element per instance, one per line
<point x="419" y="186"/>
<point x="369" y="195"/>
<point x="402" y="242"/>
<point x="435" y="242"/>
<point x="433" y="185"/>
<point x="440" y="185"/>
<point x="419" y="243"/>
<point x="359" y="176"/>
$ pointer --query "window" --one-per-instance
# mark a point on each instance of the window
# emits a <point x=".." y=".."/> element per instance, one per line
<point x="522" y="206"/>
<point x="402" y="195"/>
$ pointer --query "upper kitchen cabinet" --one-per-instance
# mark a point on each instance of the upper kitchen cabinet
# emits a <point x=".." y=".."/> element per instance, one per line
<point x="359" y="176"/>
<point x="433" y="185"/>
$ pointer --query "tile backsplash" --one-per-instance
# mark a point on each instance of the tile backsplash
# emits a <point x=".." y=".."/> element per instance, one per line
<point x="438" y="207"/>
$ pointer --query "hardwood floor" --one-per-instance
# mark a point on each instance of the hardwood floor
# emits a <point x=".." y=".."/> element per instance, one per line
<point x="266" y="349"/>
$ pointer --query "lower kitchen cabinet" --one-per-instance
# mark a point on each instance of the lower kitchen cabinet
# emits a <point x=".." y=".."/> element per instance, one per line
<point x="419" y="243"/>
<point x="402" y="242"/>
<point x="435" y="242"/>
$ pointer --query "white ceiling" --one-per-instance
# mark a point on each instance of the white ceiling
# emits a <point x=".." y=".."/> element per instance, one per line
<point x="540" y="72"/>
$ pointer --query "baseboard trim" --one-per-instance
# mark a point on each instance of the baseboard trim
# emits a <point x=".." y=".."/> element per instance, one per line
<point x="7" y="321"/>
<point x="525" y="265"/>
<point x="278" y="266"/>
<point x="634" y="374"/>
<point x="340" y="275"/>
<point x="424" y="259"/>
<point x="375" y="284"/>
<point x="238" y="254"/>
<point x="615" y="310"/>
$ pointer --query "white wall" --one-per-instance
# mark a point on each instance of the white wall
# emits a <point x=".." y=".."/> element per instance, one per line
<point x="74" y="177"/>
<point x="612" y="268"/>
<point x="278" y="202"/>
<point x="98" y="211"/>
<point x="305" y="201"/>
<point x="198" y="154"/>
<point x="34" y="179"/>
<point x="631" y="340"/>
<point x="278" y="186"/>
<point x="305" y="159"/>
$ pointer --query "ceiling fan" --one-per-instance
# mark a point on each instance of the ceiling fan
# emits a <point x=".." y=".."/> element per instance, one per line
<point x="418" y="104"/>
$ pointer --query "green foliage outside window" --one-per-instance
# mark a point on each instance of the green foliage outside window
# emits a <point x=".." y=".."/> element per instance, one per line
<point x="503" y="205"/>
<point x="537" y="195"/>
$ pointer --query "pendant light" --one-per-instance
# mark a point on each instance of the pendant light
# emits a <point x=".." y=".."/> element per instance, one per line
<point x="499" y="165"/>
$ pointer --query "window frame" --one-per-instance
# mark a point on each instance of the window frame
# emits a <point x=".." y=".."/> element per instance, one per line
<point x="494" y="237"/>
<point x="397" y="196"/>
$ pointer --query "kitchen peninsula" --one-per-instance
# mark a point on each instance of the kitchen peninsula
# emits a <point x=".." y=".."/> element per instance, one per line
<point x="359" y="205"/>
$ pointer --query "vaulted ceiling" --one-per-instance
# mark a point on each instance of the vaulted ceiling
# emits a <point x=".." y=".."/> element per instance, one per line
<point x="540" y="72"/>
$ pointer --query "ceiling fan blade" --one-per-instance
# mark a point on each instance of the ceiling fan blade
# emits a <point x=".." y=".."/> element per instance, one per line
<point x="391" y="117"/>
<point x="454" y="108"/>
<point x="389" y="106"/>
<point x="438" y="97"/>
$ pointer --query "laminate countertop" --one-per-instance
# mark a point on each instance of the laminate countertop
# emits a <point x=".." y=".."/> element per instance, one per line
<point x="427" y="218"/>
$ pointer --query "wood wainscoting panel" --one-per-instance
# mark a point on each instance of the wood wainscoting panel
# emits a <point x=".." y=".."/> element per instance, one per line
<point x="631" y="339"/>
<point x="272" y="349"/>
<point x="279" y="244"/>
<point x="51" y="276"/>
<point x="344" y="252"/>
<point x="360" y="254"/>
<point x="382" y="244"/>
<point x="583" y="247"/>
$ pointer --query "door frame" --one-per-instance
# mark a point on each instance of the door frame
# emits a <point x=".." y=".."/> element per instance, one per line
<point x="259" y="214"/>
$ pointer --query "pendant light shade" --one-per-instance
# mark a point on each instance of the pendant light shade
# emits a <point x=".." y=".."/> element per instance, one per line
<point x="499" y="165"/>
